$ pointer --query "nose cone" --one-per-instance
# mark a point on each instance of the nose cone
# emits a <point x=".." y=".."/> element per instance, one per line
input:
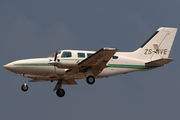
<point x="9" y="67"/>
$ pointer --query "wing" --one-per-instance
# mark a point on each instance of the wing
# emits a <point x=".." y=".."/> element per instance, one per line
<point x="97" y="61"/>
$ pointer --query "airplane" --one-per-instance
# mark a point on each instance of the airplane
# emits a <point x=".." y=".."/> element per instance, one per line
<point x="66" y="66"/>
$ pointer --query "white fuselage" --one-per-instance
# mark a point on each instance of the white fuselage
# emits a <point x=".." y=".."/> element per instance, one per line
<point x="39" y="68"/>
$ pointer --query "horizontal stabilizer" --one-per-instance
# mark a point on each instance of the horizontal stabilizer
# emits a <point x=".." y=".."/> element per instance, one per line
<point x="159" y="62"/>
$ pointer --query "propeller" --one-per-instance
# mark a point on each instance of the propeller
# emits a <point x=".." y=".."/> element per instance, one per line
<point x="54" y="61"/>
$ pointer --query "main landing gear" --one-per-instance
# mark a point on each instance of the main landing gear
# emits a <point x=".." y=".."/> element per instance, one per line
<point x="90" y="79"/>
<point x="60" y="92"/>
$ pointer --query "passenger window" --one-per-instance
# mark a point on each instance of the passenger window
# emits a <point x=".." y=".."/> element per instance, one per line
<point x="81" y="55"/>
<point x="115" y="57"/>
<point x="66" y="54"/>
<point x="89" y="54"/>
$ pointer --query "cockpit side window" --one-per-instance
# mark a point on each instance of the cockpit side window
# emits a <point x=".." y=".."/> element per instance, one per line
<point x="55" y="53"/>
<point x="66" y="54"/>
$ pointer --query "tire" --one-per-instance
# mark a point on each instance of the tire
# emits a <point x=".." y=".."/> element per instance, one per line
<point x="90" y="80"/>
<point x="24" y="87"/>
<point x="60" y="92"/>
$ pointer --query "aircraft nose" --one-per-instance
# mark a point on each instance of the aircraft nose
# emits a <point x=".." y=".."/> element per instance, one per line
<point x="9" y="66"/>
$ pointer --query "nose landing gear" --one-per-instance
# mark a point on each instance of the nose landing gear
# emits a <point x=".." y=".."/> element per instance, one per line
<point x="24" y="87"/>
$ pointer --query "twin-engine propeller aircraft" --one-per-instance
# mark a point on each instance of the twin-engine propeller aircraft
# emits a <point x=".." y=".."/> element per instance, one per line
<point x="66" y="66"/>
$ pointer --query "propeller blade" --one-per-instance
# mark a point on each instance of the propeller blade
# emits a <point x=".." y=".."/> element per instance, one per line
<point x="55" y="56"/>
<point x="54" y="62"/>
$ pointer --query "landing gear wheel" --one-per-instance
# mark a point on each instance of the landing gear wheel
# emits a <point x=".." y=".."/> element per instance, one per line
<point x="90" y="79"/>
<point x="60" y="92"/>
<point x="24" y="87"/>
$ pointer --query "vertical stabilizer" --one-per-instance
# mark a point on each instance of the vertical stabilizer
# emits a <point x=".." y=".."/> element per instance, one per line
<point x="157" y="46"/>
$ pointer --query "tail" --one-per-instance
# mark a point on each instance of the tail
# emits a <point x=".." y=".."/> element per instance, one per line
<point x="158" y="46"/>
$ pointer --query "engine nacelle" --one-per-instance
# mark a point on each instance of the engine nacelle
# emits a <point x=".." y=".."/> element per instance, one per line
<point x="67" y="64"/>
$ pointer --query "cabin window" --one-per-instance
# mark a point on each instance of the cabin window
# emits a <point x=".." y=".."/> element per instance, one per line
<point x="115" y="57"/>
<point x="66" y="54"/>
<point x="89" y="54"/>
<point x="81" y="55"/>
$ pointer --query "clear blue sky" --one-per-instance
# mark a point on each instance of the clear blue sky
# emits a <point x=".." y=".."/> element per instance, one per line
<point x="32" y="29"/>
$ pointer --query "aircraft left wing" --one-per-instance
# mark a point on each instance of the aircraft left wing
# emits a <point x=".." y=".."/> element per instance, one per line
<point x="97" y="61"/>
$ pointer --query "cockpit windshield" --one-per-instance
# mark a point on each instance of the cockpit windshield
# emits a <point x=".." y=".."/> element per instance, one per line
<point x="54" y="54"/>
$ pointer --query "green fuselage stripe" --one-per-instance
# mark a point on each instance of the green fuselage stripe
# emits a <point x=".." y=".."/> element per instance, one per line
<point x="33" y="64"/>
<point x="110" y="65"/>
<point x="131" y="66"/>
